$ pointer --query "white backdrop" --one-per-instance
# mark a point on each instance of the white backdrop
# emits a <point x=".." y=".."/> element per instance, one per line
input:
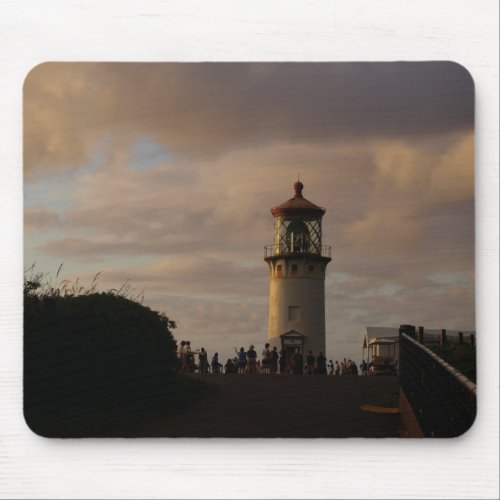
<point x="259" y="30"/>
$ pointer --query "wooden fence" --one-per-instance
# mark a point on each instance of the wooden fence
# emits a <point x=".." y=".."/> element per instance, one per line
<point x="442" y="399"/>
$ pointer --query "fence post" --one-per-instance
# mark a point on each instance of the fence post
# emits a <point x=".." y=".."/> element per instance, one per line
<point x="460" y="337"/>
<point x="472" y="340"/>
<point x="408" y="329"/>
<point x="442" y="337"/>
<point x="420" y="337"/>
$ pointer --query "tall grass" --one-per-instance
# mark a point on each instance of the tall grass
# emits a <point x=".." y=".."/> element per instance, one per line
<point x="43" y="285"/>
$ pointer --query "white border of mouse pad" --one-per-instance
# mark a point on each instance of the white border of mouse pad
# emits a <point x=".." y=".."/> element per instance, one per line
<point x="40" y="468"/>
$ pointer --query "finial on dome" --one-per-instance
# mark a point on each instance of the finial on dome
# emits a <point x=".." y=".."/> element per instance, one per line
<point x="298" y="187"/>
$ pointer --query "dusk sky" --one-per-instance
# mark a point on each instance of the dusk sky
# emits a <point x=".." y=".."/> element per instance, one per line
<point x="164" y="175"/>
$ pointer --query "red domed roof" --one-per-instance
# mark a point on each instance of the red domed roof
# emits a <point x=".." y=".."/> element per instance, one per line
<point x="298" y="205"/>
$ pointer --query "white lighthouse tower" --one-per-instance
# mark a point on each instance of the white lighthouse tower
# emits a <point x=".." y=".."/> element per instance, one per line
<point x="297" y="263"/>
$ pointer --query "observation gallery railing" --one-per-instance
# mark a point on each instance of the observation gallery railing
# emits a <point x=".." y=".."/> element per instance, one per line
<point x="277" y="250"/>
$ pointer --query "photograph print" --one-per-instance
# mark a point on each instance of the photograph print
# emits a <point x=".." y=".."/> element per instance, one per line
<point x="249" y="250"/>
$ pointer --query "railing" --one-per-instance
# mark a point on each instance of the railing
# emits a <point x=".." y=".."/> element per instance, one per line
<point x="443" y="400"/>
<point x="278" y="250"/>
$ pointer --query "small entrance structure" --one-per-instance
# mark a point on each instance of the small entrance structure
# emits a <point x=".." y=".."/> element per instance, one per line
<point x="382" y="350"/>
<point x="290" y="341"/>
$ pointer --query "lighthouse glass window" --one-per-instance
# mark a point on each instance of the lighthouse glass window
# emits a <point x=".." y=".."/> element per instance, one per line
<point x="297" y="235"/>
<point x="183" y="215"/>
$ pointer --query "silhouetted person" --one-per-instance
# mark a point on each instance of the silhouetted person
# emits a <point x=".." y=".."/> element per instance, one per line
<point x="252" y="359"/>
<point x="364" y="368"/>
<point x="337" y="368"/>
<point x="321" y="364"/>
<point x="229" y="367"/>
<point x="282" y="361"/>
<point x="331" y="368"/>
<point x="297" y="362"/>
<point x="349" y="367"/>
<point x="310" y="363"/>
<point x="266" y="359"/>
<point x="215" y="363"/>
<point x="242" y="360"/>
<point x="274" y="361"/>
<point x="190" y="357"/>
<point x="181" y="356"/>
<point x="354" y="369"/>
<point x="203" y="361"/>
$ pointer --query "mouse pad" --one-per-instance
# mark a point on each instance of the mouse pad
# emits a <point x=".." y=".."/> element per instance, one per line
<point x="249" y="250"/>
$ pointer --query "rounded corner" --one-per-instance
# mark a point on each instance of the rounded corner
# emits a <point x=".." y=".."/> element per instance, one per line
<point x="34" y="70"/>
<point x="464" y="435"/>
<point x="465" y="71"/>
<point x="33" y="428"/>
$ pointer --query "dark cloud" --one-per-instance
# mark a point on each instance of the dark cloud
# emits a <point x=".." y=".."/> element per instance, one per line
<point x="208" y="109"/>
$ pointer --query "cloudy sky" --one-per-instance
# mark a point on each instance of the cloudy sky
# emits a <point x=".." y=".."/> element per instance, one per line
<point x="164" y="174"/>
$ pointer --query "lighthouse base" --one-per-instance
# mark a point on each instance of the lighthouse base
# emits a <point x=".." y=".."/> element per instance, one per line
<point x="291" y="340"/>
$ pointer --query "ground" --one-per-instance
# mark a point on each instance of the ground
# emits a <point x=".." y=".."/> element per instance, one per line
<point x="280" y="406"/>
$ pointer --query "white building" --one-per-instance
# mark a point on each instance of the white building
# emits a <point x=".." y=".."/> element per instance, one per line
<point x="380" y="341"/>
<point x="297" y="263"/>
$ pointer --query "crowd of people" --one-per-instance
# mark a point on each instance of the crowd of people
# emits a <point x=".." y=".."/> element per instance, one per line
<point x="271" y="362"/>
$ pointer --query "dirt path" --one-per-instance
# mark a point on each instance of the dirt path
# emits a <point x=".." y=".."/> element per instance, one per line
<point x="282" y="406"/>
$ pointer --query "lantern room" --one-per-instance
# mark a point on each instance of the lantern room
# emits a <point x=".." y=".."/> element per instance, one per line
<point x="297" y="228"/>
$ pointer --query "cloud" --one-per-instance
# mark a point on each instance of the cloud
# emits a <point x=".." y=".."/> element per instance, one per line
<point x="204" y="221"/>
<point x="40" y="219"/>
<point x="208" y="275"/>
<point x="452" y="180"/>
<point x="207" y="109"/>
<point x="436" y="174"/>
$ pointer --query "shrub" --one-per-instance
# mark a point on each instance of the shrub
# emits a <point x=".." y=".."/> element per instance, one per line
<point x="92" y="359"/>
<point x="461" y="356"/>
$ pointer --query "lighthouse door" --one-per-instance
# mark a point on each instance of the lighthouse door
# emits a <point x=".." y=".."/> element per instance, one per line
<point x="290" y="341"/>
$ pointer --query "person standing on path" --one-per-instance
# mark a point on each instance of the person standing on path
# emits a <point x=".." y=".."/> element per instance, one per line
<point x="266" y="359"/>
<point x="252" y="359"/>
<point x="185" y="356"/>
<point x="297" y="362"/>
<point x="337" y="368"/>
<point x="203" y="361"/>
<point x="310" y="363"/>
<point x="242" y="360"/>
<point x="180" y="356"/>
<point x="321" y="364"/>
<point x="191" y="365"/>
<point x="215" y="363"/>
<point x="331" y="368"/>
<point x="282" y="361"/>
<point x="230" y="367"/>
<point x="364" y="368"/>
<point x="274" y="361"/>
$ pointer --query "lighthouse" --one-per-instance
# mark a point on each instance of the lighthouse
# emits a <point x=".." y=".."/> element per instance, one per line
<point x="297" y="263"/>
